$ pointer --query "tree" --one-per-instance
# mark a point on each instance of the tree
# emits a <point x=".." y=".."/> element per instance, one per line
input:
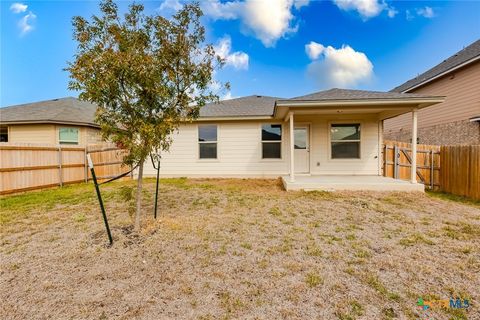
<point x="146" y="74"/>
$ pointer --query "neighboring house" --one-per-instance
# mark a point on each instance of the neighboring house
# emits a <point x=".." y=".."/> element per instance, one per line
<point x="59" y="121"/>
<point x="333" y="132"/>
<point x="455" y="121"/>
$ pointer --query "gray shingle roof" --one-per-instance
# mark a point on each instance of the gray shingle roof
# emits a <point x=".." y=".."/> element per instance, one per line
<point x="457" y="59"/>
<point x="64" y="110"/>
<point x="348" y="94"/>
<point x="240" y="107"/>
<point x="74" y="111"/>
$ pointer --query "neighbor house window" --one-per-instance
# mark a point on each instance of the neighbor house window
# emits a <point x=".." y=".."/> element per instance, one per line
<point x="3" y="134"/>
<point x="345" y="141"/>
<point x="207" y="141"/>
<point x="68" y="135"/>
<point x="271" y="141"/>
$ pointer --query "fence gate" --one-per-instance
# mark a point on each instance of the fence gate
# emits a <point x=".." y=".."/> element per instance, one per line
<point x="398" y="163"/>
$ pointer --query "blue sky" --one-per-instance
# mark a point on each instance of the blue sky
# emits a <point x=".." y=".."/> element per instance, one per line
<point x="280" y="48"/>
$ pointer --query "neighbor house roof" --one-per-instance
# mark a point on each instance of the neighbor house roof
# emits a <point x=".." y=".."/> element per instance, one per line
<point x="63" y="111"/>
<point x="460" y="59"/>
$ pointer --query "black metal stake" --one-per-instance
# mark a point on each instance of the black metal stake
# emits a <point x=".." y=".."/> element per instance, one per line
<point x="99" y="195"/>
<point x="156" y="189"/>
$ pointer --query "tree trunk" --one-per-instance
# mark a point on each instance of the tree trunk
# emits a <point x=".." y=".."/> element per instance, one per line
<point x="139" y="197"/>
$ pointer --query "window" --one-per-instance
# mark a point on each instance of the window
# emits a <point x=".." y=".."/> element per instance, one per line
<point x="207" y="141"/>
<point x="3" y="134"/>
<point x="271" y="141"/>
<point x="68" y="135"/>
<point x="345" y="141"/>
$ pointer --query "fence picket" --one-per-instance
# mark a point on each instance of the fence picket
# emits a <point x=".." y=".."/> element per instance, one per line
<point x="25" y="167"/>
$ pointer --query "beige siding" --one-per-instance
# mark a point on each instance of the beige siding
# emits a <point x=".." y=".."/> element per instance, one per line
<point x="49" y="134"/>
<point x="35" y="133"/>
<point x="240" y="150"/>
<point x="93" y="136"/>
<point x="320" y="161"/>
<point x="462" y="91"/>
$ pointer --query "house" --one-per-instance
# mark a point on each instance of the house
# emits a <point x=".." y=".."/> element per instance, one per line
<point x="455" y="121"/>
<point x="59" y="121"/>
<point x="326" y="140"/>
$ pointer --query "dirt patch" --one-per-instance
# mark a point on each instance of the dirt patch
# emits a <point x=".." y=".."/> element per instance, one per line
<point x="238" y="249"/>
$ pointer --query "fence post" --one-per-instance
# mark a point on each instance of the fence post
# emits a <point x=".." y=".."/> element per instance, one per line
<point x="395" y="161"/>
<point x="432" y="173"/>
<point x="86" y="164"/>
<point x="60" y="170"/>
<point x="385" y="151"/>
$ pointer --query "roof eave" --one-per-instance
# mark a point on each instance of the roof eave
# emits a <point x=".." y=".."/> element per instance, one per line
<point x="475" y="119"/>
<point x="404" y="102"/>
<point x="360" y="102"/>
<point x="474" y="59"/>
<point x="233" y="118"/>
<point x="84" y="124"/>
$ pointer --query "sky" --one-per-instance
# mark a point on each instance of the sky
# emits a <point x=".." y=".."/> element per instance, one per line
<point x="281" y="48"/>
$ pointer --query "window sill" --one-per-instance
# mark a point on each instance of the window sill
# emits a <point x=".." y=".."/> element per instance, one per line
<point x="271" y="160"/>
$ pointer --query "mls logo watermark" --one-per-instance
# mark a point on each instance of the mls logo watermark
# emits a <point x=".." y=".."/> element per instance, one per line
<point x="443" y="303"/>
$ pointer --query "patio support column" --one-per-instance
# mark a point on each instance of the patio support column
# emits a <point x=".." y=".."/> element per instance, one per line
<point x="414" y="146"/>
<point x="292" y="149"/>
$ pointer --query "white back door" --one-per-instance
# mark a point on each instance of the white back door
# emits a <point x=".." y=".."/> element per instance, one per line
<point x="302" y="149"/>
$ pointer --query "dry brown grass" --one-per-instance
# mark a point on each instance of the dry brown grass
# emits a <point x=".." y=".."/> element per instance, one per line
<point x="237" y="249"/>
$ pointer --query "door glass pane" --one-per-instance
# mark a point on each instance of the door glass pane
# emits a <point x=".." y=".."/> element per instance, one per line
<point x="345" y="132"/>
<point x="208" y="150"/>
<point x="271" y="150"/>
<point x="300" y="135"/>
<point x="345" y="150"/>
<point x="207" y="133"/>
<point x="271" y="132"/>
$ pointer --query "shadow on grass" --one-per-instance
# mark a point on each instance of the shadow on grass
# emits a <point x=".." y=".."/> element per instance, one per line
<point x="452" y="197"/>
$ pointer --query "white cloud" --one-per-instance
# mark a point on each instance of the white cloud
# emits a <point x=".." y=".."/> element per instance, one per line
<point x="267" y="20"/>
<point x="366" y="8"/>
<point x="25" y="24"/>
<point x="227" y="96"/>
<point x="170" y="5"/>
<point x="300" y="3"/>
<point x="238" y="60"/>
<point x="343" y="67"/>
<point x="18" y="7"/>
<point x="314" y="50"/>
<point x="222" y="11"/>
<point x="408" y="15"/>
<point x="426" y="12"/>
<point x="391" y="12"/>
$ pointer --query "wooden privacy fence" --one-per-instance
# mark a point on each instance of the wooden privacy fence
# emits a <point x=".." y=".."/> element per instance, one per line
<point x="398" y="162"/>
<point x="107" y="160"/>
<point x="27" y="167"/>
<point x="461" y="170"/>
<point x="452" y="169"/>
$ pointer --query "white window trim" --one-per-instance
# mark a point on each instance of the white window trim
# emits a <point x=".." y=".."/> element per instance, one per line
<point x="282" y="144"/>
<point x="217" y="159"/>
<point x="329" y="134"/>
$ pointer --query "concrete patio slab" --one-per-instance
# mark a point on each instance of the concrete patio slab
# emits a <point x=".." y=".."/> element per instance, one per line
<point x="345" y="182"/>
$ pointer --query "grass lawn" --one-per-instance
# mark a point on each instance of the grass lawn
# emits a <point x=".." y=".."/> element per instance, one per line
<point x="237" y="249"/>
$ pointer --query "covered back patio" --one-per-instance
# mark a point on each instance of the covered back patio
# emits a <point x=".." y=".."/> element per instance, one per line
<point x="346" y="151"/>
